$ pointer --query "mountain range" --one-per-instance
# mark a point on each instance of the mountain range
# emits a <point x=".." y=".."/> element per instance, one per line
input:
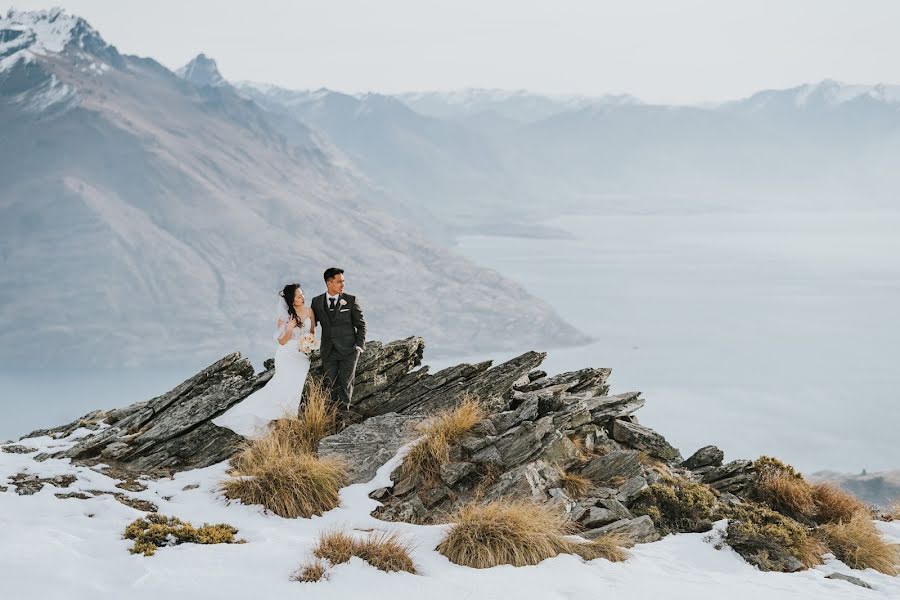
<point x="150" y="215"/>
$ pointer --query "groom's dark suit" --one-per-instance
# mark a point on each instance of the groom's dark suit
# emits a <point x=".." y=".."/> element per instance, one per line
<point x="343" y="331"/>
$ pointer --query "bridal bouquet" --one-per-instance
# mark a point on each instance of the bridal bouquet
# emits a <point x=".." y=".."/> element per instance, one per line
<point x="308" y="343"/>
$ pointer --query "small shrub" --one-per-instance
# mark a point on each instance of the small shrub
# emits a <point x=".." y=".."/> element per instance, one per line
<point x="834" y="504"/>
<point x="783" y="489"/>
<point x="678" y="505"/>
<point x="575" y="485"/>
<point x="314" y="571"/>
<point x="156" y="531"/>
<point x="384" y="551"/>
<point x="316" y="419"/>
<point x="272" y="472"/>
<point x="514" y="532"/>
<point x="769" y="539"/>
<point x="857" y="543"/>
<point x="439" y="434"/>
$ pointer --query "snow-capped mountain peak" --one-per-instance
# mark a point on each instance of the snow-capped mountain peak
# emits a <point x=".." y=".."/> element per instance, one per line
<point x="49" y="32"/>
<point x="202" y="70"/>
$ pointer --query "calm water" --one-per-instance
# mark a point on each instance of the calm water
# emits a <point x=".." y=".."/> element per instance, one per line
<point x="759" y="333"/>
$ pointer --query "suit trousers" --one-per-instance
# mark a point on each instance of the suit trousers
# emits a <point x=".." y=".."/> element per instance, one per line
<point x="339" y="373"/>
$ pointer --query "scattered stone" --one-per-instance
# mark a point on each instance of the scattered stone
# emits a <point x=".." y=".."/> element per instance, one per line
<point x="639" y="530"/>
<point x="18" y="449"/>
<point x="28" y="484"/>
<point x="849" y="579"/>
<point x="618" y="465"/>
<point x="131" y="485"/>
<point x="192" y="486"/>
<point x="78" y="495"/>
<point x="644" y="438"/>
<point x="708" y="456"/>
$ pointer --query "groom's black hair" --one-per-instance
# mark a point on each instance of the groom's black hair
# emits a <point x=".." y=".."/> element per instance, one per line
<point x="330" y="273"/>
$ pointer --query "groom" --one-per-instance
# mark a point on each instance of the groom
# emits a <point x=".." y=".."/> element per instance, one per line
<point x="343" y="335"/>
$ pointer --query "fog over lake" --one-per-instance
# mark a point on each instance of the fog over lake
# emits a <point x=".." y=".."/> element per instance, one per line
<point x="760" y="332"/>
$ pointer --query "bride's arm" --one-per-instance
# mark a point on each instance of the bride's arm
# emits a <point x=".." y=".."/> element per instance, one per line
<point x="285" y="329"/>
<point x="312" y="322"/>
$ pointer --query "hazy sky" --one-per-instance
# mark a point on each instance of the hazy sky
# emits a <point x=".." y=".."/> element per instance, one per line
<point x="664" y="51"/>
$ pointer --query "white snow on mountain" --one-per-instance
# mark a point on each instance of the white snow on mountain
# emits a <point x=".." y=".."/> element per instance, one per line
<point x="73" y="549"/>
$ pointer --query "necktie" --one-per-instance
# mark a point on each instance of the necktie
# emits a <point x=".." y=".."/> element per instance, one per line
<point x="332" y="301"/>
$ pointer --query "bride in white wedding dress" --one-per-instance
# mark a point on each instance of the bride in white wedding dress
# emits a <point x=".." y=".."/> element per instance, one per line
<point x="281" y="395"/>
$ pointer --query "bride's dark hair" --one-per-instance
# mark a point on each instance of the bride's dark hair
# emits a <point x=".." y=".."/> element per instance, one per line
<point x="288" y="294"/>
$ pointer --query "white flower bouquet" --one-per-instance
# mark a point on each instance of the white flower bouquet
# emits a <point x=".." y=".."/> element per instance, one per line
<point x="307" y="344"/>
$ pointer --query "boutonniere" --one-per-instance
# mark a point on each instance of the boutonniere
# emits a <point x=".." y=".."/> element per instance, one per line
<point x="342" y="302"/>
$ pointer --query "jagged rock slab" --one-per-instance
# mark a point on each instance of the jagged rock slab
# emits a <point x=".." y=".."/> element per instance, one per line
<point x="644" y="438"/>
<point x="639" y="530"/>
<point x="706" y="457"/>
<point x="366" y="446"/>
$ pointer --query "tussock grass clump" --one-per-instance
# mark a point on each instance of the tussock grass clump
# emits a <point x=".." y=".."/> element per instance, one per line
<point x="156" y="531"/>
<point x="610" y="547"/>
<point x="439" y="434"/>
<point x="677" y="504"/>
<point x="834" y="504"/>
<point x="317" y="418"/>
<point x="314" y="571"/>
<point x="784" y="489"/>
<point x="858" y="543"/>
<point x="575" y="485"/>
<point x="515" y="532"/>
<point x="767" y="538"/>
<point x="384" y="551"/>
<point x="280" y="470"/>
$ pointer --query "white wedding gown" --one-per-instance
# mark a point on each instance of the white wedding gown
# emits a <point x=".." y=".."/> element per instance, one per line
<point x="281" y="395"/>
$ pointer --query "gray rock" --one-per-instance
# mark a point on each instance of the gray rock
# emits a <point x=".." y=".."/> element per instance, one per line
<point x="621" y="464"/>
<point x="527" y="411"/>
<point x="644" y="438"/>
<point x="17" y="449"/>
<point x="707" y="456"/>
<point x="532" y="480"/>
<point x="639" y="530"/>
<point x="849" y="579"/>
<point x="606" y="408"/>
<point x="453" y="472"/>
<point x="523" y="442"/>
<point x="631" y="489"/>
<point x="734" y="477"/>
<point x="365" y="446"/>
<point x="616" y="507"/>
<point x="596" y="516"/>
<point x="487" y="456"/>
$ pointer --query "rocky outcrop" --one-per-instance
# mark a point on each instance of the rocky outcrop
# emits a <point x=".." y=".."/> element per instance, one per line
<point x="540" y="434"/>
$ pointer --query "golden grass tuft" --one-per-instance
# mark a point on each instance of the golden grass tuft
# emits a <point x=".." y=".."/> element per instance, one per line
<point x="317" y="418"/>
<point x="677" y="504"/>
<point x="515" y="532"/>
<point x="858" y="544"/>
<point x="156" y="531"/>
<point x="781" y="487"/>
<point x="280" y="470"/>
<point x="610" y="547"/>
<point x="438" y="435"/>
<point x="275" y="473"/>
<point x="575" y="485"/>
<point x="384" y="551"/>
<point x="314" y="571"/>
<point x="834" y="504"/>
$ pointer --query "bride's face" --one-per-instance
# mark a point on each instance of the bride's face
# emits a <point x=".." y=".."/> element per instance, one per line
<point x="298" y="299"/>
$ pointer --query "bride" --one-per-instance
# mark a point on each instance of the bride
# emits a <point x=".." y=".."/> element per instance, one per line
<point x="281" y="395"/>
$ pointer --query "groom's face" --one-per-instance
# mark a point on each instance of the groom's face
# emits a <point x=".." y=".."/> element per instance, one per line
<point x="335" y="285"/>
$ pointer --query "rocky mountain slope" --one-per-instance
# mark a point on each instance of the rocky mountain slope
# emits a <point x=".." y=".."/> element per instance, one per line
<point x="538" y="432"/>
<point x="162" y="213"/>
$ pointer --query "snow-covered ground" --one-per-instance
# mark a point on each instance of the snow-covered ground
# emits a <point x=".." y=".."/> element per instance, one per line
<point x="72" y="549"/>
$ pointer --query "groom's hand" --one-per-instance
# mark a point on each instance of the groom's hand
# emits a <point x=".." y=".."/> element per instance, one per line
<point x="358" y="350"/>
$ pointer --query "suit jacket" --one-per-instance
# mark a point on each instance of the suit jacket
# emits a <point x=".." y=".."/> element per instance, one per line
<point x="342" y="329"/>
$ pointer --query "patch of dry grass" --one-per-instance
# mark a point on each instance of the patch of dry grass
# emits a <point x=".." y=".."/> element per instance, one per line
<point x="764" y="536"/>
<point x="273" y="472"/>
<point x="834" y="504"/>
<point x="610" y="547"/>
<point x="439" y="434"/>
<point x="280" y="470"/>
<point x="316" y="419"/>
<point x="858" y="543"/>
<point x="384" y="551"/>
<point x="677" y="504"/>
<point x="157" y="531"/>
<point x="575" y="485"/>
<point x="515" y="532"/>
<point x="784" y="489"/>
<point x="314" y="571"/>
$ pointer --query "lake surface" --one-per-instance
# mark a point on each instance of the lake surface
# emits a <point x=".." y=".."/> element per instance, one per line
<point x="760" y="333"/>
